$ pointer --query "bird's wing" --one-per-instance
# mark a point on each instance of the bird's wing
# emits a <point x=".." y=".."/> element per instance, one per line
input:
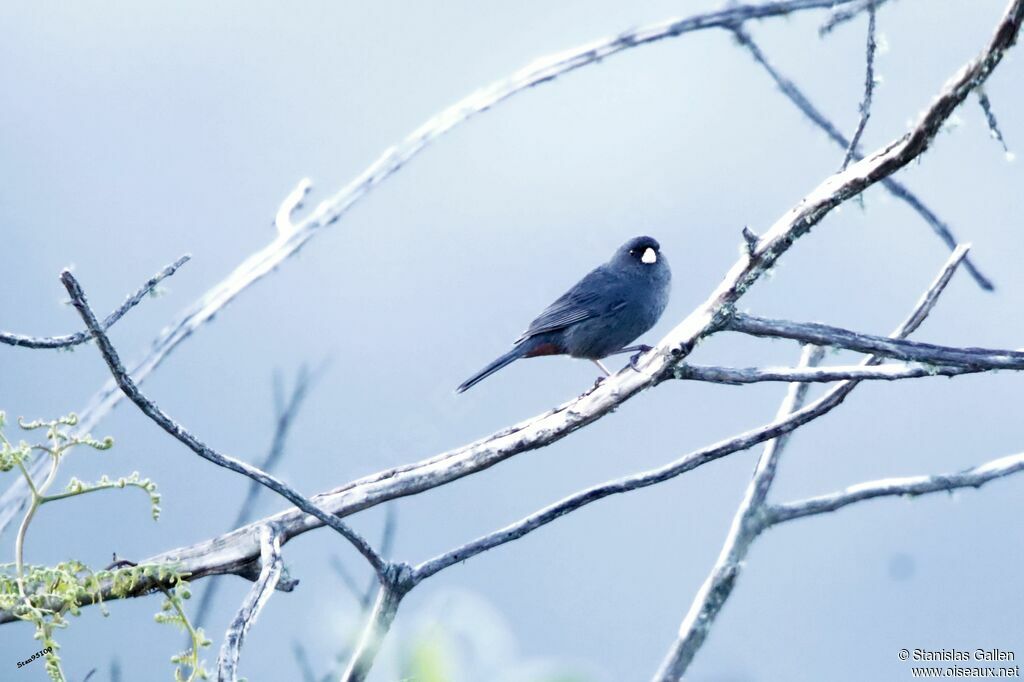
<point x="591" y="297"/>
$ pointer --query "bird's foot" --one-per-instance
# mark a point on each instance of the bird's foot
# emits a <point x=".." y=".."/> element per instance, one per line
<point x="636" y="357"/>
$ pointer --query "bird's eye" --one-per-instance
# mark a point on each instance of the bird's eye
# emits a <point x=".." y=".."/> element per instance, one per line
<point x="650" y="256"/>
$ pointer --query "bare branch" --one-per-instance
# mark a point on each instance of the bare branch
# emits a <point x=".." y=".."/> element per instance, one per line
<point x="750" y="375"/>
<point x="379" y="613"/>
<point x="626" y="484"/>
<point x="746" y="525"/>
<point x="255" y="600"/>
<point x="783" y="424"/>
<point x="393" y="589"/>
<point x="869" y="87"/>
<point x="826" y="335"/>
<point x="153" y="411"/>
<point x="974" y="477"/>
<point x="792" y="92"/>
<point x="77" y="338"/>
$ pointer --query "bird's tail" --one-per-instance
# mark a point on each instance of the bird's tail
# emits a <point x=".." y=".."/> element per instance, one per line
<point x="506" y="359"/>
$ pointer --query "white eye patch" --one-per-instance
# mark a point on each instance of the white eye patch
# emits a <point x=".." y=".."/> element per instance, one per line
<point x="649" y="256"/>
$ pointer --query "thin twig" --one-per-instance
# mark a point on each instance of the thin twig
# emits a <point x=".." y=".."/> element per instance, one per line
<point x="270" y="572"/>
<point x="990" y="119"/>
<point x="869" y="87"/>
<point x="69" y="340"/>
<point x="153" y="411"/>
<point x="914" y="351"/>
<point x="904" y="486"/>
<point x="291" y="204"/>
<point x="795" y="95"/>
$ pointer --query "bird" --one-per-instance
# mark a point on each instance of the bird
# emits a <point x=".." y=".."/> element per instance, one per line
<point x="609" y="308"/>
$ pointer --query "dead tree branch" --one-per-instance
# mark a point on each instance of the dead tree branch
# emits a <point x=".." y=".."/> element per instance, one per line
<point x="869" y="87"/>
<point x="749" y="375"/>
<point x="903" y="486"/>
<point x="745" y="527"/>
<point x="69" y="340"/>
<point x="913" y="351"/>
<point x="272" y="565"/>
<point x="393" y="588"/>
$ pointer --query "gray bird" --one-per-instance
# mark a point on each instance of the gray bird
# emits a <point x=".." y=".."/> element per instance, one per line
<point x="606" y="310"/>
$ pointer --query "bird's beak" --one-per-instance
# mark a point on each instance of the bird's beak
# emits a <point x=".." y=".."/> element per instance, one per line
<point x="650" y="256"/>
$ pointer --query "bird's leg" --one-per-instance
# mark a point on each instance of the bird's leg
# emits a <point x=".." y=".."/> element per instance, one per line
<point x="603" y="369"/>
<point x="640" y="350"/>
<point x="636" y="357"/>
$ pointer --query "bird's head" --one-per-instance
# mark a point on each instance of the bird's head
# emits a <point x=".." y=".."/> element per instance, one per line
<point x="639" y="252"/>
